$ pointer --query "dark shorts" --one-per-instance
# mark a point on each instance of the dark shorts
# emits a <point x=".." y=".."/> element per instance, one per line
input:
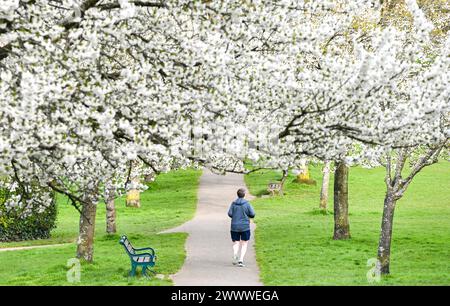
<point x="237" y="236"/>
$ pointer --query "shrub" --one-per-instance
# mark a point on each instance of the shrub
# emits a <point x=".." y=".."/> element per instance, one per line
<point x="25" y="217"/>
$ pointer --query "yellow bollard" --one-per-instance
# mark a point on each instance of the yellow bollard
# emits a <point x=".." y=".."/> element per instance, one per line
<point x="304" y="178"/>
<point x="133" y="198"/>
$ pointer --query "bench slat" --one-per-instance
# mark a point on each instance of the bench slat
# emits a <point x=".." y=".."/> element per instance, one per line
<point x="141" y="258"/>
<point x="129" y="247"/>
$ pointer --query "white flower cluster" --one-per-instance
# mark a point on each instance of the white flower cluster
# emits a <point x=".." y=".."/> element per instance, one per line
<point x="89" y="87"/>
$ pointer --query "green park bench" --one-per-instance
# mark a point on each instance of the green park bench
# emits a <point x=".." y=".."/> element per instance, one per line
<point x="138" y="257"/>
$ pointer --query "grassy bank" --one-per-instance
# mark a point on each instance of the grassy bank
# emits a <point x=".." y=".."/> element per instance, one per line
<point x="294" y="242"/>
<point x="170" y="201"/>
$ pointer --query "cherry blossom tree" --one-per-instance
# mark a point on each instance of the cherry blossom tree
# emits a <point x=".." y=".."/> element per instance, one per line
<point x="353" y="92"/>
<point x="87" y="87"/>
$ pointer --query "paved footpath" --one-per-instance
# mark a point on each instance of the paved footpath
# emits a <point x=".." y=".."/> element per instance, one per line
<point x="209" y="246"/>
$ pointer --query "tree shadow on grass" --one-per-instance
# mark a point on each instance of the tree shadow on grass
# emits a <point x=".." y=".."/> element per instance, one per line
<point x="261" y="193"/>
<point x="319" y="212"/>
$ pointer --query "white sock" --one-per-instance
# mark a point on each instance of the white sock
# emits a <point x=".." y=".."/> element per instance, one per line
<point x="243" y="251"/>
<point x="235" y="248"/>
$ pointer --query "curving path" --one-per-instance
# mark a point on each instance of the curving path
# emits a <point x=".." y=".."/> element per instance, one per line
<point x="33" y="247"/>
<point x="209" y="247"/>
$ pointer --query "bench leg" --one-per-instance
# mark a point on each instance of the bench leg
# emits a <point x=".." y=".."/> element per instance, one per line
<point x="145" y="270"/>
<point x="133" y="270"/>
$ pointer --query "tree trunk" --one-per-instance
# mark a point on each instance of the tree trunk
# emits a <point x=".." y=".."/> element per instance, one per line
<point x="341" y="224"/>
<point x="110" y="209"/>
<point x="384" y="246"/>
<point x="325" y="184"/>
<point x="283" y="180"/>
<point x="85" y="242"/>
<point x="148" y="178"/>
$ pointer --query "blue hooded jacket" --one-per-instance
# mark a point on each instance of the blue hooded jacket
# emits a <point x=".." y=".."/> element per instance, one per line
<point x="240" y="213"/>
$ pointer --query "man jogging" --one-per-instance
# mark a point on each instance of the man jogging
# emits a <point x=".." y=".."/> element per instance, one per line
<point x="240" y="213"/>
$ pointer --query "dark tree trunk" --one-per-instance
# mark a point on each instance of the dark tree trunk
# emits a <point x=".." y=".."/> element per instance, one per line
<point x="384" y="246"/>
<point x="341" y="224"/>
<point x="283" y="180"/>
<point x="110" y="210"/>
<point x="85" y="243"/>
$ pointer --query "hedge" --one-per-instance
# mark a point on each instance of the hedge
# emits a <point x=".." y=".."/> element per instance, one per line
<point x="35" y="225"/>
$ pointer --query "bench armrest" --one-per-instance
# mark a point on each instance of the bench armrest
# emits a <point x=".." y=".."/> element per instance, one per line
<point x="144" y="249"/>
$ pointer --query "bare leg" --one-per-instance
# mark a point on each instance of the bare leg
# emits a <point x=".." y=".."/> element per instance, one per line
<point x="243" y="249"/>
<point x="235" y="248"/>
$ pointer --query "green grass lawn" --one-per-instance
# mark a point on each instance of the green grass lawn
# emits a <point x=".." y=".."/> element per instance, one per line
<point x="170" y="201"/>
<point x="294" y="242"/>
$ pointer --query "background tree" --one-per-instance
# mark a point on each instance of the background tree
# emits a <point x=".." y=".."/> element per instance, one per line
<point x="324" y="187"/>
<point x="110" y="195"/>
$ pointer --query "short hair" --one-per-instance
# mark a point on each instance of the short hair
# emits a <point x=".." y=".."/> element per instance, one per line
<point x="241" y="192"/>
